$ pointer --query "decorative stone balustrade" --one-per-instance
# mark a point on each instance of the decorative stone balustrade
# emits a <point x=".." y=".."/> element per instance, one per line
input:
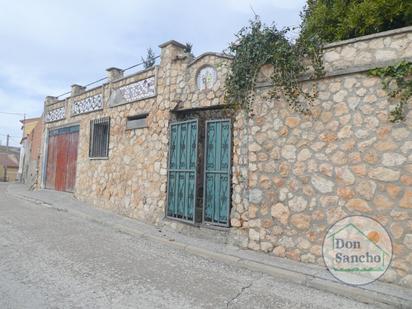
<point x="55" y="114"/>
<point x="89" y="104"/>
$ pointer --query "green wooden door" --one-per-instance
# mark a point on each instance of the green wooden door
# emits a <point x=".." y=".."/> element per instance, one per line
<point x="181" y="196"/>
<point x="216" y="204"/>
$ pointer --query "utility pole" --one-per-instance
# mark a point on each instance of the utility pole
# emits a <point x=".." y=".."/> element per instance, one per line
<point x="24" y="154"/>
<point x="7" y="153"/>
<point x="22" y="146"/>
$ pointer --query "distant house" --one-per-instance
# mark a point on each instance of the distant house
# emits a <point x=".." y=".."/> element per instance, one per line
<point x="9" y="159"/>
<point x="28" y="127"/>
<point x="32" y="155"/>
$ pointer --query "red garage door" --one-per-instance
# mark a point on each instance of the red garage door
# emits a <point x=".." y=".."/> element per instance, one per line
<point x="62" y="159"/>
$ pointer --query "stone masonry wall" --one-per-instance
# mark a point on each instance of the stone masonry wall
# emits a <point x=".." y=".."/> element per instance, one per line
<point x="306" y="172"/>
<point x="292" y="175"/>
<point x="33" y="156"/>
<point x="132" y="180"/>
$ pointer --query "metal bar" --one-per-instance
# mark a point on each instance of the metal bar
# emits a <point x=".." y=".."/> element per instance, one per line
<point x="179" y="178"/>
<point x="6" y="165"/>
<point x="95" y="82"/>
<point x="229" y="173"/>
<point x="218" y="163"/>
<point x="204" y="173"/>
<point x="176" y="206"/>
<point x="91" y="139"/>
<point x="175" y="210"/>
<point x="169" y="192"/>
<point x="217" y="217"/>
<point x="186" y="197"/>
<point x="187" y="150"/>
<point x="136" y="65"/>
<point x="104" y="78"/>
<point x="195" y="168"/>
<point x="215" y="172"/>
<point x="68" y="92"/>
<point x="99" y="131"/>
<point x="166" y="209"/>
<point x="99" y="138"/>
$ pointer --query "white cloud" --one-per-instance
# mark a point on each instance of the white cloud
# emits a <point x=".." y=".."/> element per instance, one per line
<point x="27" y="80"/>
<point x="15" y="103"/>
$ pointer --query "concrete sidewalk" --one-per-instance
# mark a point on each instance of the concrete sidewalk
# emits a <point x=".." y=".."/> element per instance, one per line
<point x="313" y="276"/>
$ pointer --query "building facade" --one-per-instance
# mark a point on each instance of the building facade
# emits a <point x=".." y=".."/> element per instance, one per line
<point x="31" y="161"/>
<point x="161" y="146"/>
<point x="9" y="163"/>
<point x="26" y="160"/>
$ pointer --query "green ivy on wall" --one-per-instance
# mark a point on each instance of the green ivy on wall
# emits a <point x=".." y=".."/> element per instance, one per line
<point x="257" y="45"/>
<point x="397" y="82"/>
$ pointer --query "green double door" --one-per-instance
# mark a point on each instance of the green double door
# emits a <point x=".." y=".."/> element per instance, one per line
<point x="183" y="171"/>
<point x="182" y="174"/>
<point x="216" y="188"/>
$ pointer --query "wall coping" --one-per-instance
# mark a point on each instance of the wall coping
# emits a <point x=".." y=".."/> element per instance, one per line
<point x="369" y="37"/>
<point x="344" y="71"/>
<point x="172" y="42"/>
<point x="152" y="68"/>
<point x="56" y="102"/>
<point x="215" y="54"/>
<point x="85" y="93"/>
<point x="88" y="91"/>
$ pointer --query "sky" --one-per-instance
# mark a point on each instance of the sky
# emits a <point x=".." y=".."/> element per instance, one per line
<point x="46" y="46"/>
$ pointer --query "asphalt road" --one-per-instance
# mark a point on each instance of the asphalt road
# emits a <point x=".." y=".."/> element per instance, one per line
<point x="55" y="259"/>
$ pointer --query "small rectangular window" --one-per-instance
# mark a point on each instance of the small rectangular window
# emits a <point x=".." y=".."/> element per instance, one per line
<point x="99" y="138"/>
<point x="137" y="122"/>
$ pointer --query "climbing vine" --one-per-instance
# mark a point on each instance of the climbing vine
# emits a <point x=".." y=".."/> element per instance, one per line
<point x="397" y="82"/>
<point x="258" y="44"/>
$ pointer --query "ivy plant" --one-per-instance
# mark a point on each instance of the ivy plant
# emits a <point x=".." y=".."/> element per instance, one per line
<point x="258" y="44"/>
<point x="397" y="82"/>
<point x="345" y="19"/>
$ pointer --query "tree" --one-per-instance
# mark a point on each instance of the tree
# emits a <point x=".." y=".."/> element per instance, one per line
<point x="150" y="59"/>
<point x="335" y="20"/>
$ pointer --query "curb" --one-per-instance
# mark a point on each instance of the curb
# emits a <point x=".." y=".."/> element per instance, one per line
<point x="312" y="281"/>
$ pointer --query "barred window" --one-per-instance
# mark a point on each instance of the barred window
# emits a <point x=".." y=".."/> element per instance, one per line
<point x="99" y="138"/>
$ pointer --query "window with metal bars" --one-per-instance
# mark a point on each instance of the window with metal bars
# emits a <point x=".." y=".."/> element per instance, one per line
<point x="99" y="138"/>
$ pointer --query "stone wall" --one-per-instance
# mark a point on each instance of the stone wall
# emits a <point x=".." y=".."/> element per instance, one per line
<point x="31" y="170"/>
<point x="368" y="51"/>
<point x="292" y="175"/>
<point x="306" y="172"/>
<point x="132" y="180"/>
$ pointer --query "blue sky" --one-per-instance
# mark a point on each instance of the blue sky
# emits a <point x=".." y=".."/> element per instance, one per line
<point x="46" y="46"/>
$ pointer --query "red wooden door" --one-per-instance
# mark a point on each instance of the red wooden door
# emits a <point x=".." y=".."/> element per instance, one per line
<point x="51" y="162"/>
<point x="62" y="159"/>
<point x="72" y="161"/>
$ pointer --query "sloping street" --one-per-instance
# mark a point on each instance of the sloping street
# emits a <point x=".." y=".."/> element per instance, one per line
<point x="51" y="258"/>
